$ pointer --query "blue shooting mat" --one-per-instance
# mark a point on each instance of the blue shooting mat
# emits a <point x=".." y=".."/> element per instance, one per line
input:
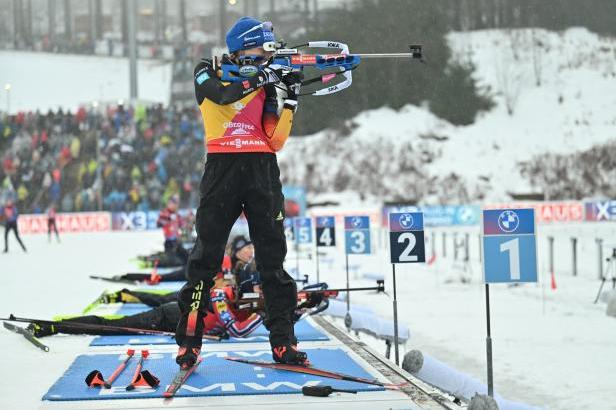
<point x="215" y="376"/>
<point x="304" y="331"/>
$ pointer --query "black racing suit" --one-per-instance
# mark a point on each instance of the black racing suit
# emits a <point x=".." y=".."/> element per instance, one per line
<point x="241" y="175"/>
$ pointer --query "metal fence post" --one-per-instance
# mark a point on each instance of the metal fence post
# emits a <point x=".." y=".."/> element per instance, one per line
<point x="574" y="256"/>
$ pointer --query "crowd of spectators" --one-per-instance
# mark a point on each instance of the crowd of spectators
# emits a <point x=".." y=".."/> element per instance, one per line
<point x="115" y="158"/>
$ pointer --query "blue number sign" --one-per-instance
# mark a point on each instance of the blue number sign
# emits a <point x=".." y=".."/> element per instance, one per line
<point x="303" y="230"/>
<point x="509" y="246"/>
<point x="357" y="234"/>
<point x="289" y="232"/>
<point x="406" y="237"/>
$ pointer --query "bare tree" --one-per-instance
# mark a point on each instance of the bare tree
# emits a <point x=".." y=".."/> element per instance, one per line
<point x="537" y="56"/>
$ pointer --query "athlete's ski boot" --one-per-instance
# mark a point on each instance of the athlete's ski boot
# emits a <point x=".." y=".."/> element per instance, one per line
<point x="288" y="354"/>
<point x="187" y="356"/>
<point x="41" y="329"/>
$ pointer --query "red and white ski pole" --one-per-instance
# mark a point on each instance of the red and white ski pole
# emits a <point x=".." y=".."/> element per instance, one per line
<point x="95" y="377"/>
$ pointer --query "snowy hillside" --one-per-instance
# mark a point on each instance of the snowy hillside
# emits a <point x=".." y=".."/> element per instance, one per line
<point x="553" y="91"/>
<point x="48" y="81"/>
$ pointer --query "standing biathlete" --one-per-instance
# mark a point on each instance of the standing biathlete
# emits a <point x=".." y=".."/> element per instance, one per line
<point x="51" y="223"/>
<point x="10" y="215"/>
<point x="243" y="131"/>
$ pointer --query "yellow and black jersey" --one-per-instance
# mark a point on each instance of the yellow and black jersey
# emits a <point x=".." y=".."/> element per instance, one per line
<point x="240" y="116"/>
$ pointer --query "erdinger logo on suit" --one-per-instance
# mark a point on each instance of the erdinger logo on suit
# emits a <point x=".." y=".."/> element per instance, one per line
<point x="237" y="106"/>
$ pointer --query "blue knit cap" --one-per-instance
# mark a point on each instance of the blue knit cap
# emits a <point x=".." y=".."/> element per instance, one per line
<point x="247" y="33"/>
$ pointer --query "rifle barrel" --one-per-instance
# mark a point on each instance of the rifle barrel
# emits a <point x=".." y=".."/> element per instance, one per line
<point x="386" y="55"/>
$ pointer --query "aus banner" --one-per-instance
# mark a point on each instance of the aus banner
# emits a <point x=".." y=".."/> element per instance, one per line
<point x="66" y="222"/>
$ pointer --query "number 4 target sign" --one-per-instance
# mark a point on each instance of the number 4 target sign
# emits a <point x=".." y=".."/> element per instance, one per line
<point x="326" y="231"/>
<point x="406" y="237"/>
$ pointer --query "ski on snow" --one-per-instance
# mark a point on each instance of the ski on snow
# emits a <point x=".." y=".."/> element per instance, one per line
<point x="26" y="334"/>
<point x="297" y="368"/>
<point x="180" y="378"/>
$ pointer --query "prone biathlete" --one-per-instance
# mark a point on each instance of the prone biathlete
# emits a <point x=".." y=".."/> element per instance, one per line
<point x="224" y="321"/>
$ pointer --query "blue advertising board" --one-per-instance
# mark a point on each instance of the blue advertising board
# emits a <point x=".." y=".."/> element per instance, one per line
<point x="357" y="235"/>
<point x="406" y="237"/>
<point x="509" y="246"/>
<point x="600" y="211"/>
<point x="434" y="215"/>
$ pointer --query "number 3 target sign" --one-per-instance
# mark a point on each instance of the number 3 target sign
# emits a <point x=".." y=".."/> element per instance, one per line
<point x="406" y="237"/>
<point x="357" y="235"/>
<point x="509" y="246"/>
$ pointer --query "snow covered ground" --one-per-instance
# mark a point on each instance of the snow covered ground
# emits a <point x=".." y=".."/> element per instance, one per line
<point x="48" y="81"/>
<point x="552" y="349"/>
<point x="571" y="110"/>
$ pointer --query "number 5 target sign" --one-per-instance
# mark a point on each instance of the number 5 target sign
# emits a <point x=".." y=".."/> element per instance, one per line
<point x="406" y="237"/>
<point x="509" y="246"/>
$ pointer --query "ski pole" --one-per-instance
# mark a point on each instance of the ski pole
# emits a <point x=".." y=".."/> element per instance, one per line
<point x="142" y="378"/>
<point x="119" y="369"/>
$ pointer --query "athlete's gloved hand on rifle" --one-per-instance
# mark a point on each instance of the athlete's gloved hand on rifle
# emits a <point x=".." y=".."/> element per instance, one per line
<point x="272" y="75"/>
<point x="293" y="82"/>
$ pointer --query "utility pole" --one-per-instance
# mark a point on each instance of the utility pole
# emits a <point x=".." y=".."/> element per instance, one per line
<point x="157" y="22"/>
<point x="68" y="30"/>
<point x="92" y="14"/>
<point x="51" y="20"/>
<point x="223" y="21"/>
<point x="183" y="23"/>
<point x="132" y="47"/>
<point x="16" y="22"/>
<point x="28" y="26"/>
<point x="98" y="18"/>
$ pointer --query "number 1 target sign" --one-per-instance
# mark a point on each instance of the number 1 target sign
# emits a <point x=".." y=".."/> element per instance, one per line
<point x="509" y="246"/>
<point x="406" y="237"/>
<point x="326" y="231"/>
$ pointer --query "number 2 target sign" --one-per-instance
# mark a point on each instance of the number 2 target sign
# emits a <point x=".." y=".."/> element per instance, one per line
<point x="406" y="237"/>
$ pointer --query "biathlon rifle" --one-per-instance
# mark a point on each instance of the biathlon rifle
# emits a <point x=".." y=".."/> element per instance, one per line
<point x="310" y="296"/>
<point x="293" y="60"/>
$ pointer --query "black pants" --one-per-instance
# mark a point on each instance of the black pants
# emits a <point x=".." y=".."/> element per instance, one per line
<point x="176" y="252"/>
<point x="164" y="317"/>
<point x="11" y="226"/>
<point x="153" y="299"/>
<point x="51" y="227"/>
<point x="232" y="184"/>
